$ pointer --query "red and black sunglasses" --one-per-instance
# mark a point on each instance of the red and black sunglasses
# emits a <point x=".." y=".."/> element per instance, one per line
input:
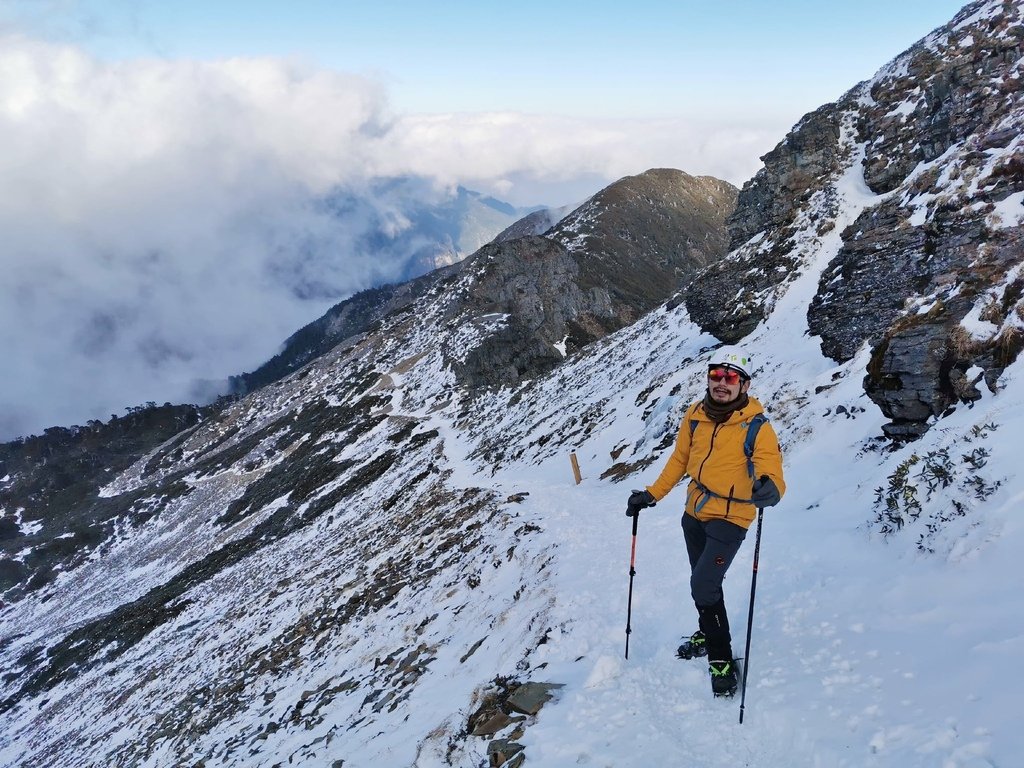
<point x="727" y="375"/>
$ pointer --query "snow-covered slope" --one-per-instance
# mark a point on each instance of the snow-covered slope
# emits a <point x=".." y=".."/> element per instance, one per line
<point x="349" y="566"/>
<point x="366" y="632"/>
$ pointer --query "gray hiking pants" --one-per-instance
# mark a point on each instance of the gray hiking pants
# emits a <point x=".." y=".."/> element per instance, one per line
<point x="711" y="547"/>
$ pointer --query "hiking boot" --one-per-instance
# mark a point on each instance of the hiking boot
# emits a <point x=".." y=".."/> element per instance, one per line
<point x="693" y="648"/>
<point x="723" y="677"/>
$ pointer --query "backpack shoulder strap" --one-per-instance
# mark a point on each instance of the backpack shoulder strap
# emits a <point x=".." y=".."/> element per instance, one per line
<point x="691" y="414"/>
<point x="753" y="427"/>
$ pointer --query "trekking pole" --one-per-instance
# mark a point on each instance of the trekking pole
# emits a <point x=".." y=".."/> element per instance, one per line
<point x="632" y="573"/>
<point x="750" y="613"/>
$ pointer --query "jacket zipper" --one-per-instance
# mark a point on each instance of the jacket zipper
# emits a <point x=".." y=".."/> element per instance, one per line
<point x="711" y="448"/>
<point x="728" y="502"/>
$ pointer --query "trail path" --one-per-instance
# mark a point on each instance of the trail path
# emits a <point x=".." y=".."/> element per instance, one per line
<point x="848" y="666"/>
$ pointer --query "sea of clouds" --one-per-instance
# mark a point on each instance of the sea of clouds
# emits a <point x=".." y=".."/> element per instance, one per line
<point x="163" y="220"/>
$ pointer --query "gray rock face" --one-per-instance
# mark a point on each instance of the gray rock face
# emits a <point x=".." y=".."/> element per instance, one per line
<point x="919" y="366"/>
<point x="937" y="136"/>
<point x="937" y="233"/>
<point x="881" y="262"/>
<point x="734" y="295"/>
<point x="617" y="256"/>
<point x="533" y="285"/>
<point x="792" y="172"/>
<point x="953" y="91"/>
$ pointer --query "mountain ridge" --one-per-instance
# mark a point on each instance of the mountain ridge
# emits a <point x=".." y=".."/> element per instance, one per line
<point x="695" y="207"/>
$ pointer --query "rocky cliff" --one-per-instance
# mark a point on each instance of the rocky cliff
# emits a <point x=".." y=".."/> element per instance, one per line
<point x="927" y="274"/>
<point x="536" y="223"/>
<point x="615" y="257"/>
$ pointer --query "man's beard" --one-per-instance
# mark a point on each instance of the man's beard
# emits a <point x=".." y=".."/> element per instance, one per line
<point x="739" y="394"/>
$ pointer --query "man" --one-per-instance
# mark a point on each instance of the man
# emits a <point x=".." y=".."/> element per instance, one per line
<point x="732" y="456"/>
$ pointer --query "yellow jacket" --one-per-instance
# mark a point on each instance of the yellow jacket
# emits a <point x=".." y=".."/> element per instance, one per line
<point x="713" y="457"/>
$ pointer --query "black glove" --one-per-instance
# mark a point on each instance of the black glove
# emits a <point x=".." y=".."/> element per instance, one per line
<point x="766" y="493"/>
<point x="638" y="500"/>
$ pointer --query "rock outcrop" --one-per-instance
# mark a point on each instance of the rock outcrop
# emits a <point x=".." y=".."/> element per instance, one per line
<point x="942" y="131"/>
<point x="617" y="256"/>
<point x="929" y="156"/>
<point x="734" y="295"/>
<point x="536" y="223"/>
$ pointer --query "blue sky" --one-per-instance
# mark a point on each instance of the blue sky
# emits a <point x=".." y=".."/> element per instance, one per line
<point x="640" y="59"/>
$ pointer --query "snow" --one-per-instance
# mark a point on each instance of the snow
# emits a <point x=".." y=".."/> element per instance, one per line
<point x="755" y="239"/>
<point x="985" y="11"/>
<point x="904" y="108"/>
<point x="854" y="661"/>
<point x="920" y="206"/>
<point x="924" y="305"/>
<point x="865" y="651"/>
<point x="847" y="650"/>
<point x="1008" y="212"/>
<point x="984" y="330"/>
<point x="978" y="329"/>
<point x="26" y="527"/>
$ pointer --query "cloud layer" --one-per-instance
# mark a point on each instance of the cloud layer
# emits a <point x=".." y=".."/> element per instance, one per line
<point x="162" y="223"/>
